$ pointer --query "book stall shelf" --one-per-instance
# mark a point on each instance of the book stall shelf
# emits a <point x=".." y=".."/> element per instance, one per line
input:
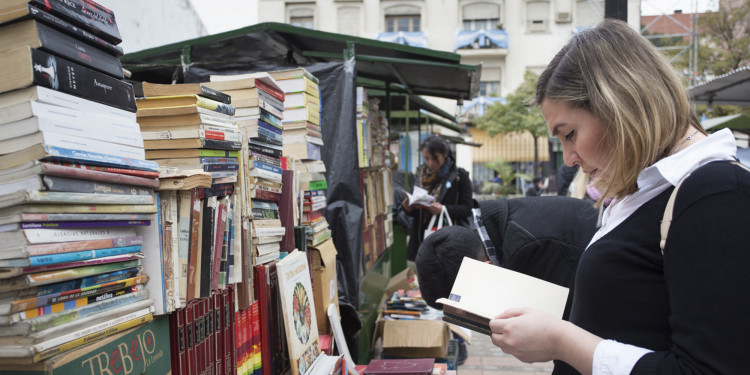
<point x="200" y="188"/>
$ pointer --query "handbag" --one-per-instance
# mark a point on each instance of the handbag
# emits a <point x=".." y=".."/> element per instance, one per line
<point x="433" y="227"/>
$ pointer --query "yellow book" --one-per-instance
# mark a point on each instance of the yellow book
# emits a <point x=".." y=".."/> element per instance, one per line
<point x="162" y="102"/>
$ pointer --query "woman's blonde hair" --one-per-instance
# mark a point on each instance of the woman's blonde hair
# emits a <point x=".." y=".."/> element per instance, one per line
<point x="625" y="82"/>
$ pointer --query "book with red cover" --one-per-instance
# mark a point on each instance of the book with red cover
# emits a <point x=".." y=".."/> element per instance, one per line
<point x="262" y="298"/>
<point x="279" y="352"/>
<point x="125" y="171"/>
<point x="247" y="340"/>
<point x="412" y="366"/>
<point x="228" y="329"/>
<point x="201" y="345"/>
<point x="182" y="364"/>
<point x="239" y="338"/>
<point x="278" y="94"/>
<point x="256" y="351"/>
<point x="218" y="298"/>
<point x="190" y="330"/>
<point x="208" y="303"/>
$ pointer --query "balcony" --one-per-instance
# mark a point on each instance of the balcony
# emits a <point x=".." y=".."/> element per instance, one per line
<point x="482" y="39"/>
<point x="409" y="38"/>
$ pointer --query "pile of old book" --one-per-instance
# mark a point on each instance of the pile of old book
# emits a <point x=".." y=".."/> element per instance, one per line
<point x="76" y="192"/>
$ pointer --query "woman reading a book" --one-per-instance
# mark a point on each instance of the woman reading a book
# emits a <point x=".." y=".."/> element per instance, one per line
<point x="449" y="184"/>
<point x="622" y="114"/>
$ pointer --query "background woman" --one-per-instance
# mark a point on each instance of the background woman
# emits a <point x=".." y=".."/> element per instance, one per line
<point x="449" y="184"/>
<point x="622" y="115"/>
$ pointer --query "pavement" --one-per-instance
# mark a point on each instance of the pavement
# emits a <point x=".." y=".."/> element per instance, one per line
<point x="487" y="359"/>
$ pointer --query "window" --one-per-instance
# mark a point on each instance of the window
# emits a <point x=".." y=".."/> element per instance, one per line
<point x="481" y="16"/>
<point x="348" y="19"/>
<point x="402" y="23"/>
<point x="589" y="12"/>
<point x="537" y="15"/>
<point x="306" y="22"/>
<point x="488" y="88"/>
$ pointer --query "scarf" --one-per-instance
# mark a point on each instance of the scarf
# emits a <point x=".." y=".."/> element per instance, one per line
<point x="433" y="182"/>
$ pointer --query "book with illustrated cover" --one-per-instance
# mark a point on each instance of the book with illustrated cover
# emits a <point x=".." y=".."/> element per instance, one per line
<point x="472" y="305"/>
<point x="297" y="304"/>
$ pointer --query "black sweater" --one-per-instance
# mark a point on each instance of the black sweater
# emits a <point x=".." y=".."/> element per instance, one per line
<point x="690" y="305"/>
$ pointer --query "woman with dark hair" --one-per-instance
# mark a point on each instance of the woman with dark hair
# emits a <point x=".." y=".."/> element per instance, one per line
<point x="449" y="184"/>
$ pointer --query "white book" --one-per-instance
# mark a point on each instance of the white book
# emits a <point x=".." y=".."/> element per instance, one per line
<point x="71" y="142"/>
<point x="267" y="239"/>
<point x="300" y="99"/>
<point x="45" y="95"/>
<point x="302" y="138"/>
<point x="21" y="237"/>
<point x="261" y="76"/>
<point x="472" y="304"/>
<point x="311" y="115"/>
<point x="268" y="231"/>
<point x="262" y="173"/>
<point x="315" y="166"/>
<point x="32" y="108"/>
<point x="227" y="134"/>
<point x="263" y="249"/>
<point x="99" y="131"/>
<point x="35" y="196"/>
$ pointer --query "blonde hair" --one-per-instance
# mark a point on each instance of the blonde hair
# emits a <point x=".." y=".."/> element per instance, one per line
<point x="625" y="82"/>
<point x="577" y="187"/>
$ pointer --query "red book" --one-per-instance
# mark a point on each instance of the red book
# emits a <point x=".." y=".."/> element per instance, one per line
<point x="413" y="366"/>
<point x="247" y="340"/>
<point x="255" y="312"/>
<point x="190" y="330"/>
<point x="132" y="172"/>
<point x="181" y="342"/>
<point x="221" y="223"/>
<point x="229" y="340"/>
<point x="238" y="338"/>
<point x="267" y="195"/>
<point x="262" y="300"/>
<point x="278" y="94"/>
<point x="325" y="344"/>
<point x="200" y="343"/>
<point x="90" y="173"/>
<point x="218" y="332"/>
<point x="208" y="303"/>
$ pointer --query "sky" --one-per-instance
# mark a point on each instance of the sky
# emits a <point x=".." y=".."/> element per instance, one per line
<point x="655" y="7"/>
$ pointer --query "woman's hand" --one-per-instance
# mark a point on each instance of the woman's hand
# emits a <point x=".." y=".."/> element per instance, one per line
<point x="435" y="208"/>
<point x="528" y="334"/>
<point x="405" y="204"/>
<point x="535" y="336"/>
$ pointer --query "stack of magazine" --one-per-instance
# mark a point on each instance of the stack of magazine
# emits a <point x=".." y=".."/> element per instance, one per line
<point x="76" y="193"/>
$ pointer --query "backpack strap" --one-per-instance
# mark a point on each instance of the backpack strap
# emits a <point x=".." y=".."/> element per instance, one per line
<point x="668" y="211"/>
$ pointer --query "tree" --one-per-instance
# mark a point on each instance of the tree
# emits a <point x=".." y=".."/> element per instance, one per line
<point x="507" y="174"/>
<point x="728" y="33"/>
<point x="517" y="115"/>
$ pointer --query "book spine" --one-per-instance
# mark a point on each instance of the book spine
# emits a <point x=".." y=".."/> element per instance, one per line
<point x="44" y="273"/>
<point x="276" y="93"/>
<point x="262" y="213"/>
<point x="87" y="198"/>
<point x="75" y="31"/>
<point x="82" y="255"/>
<point x="221" y="145"/>
<point x="30" y="217"/>
<point x="78" y="51"/>
<point x="49" y="299"/>
<point x="221" y="223"/>
<point x="219" y="332"/>
<point x="311" y="115"/>
<point x="270" y="109"/>
<point x="266" y="149"/>
<point x="215" y="95"/>
<point x="35" y="236"/>
<point x="211" y="166"/>
<point x="57" y="98"/>
<point x="72" y="155"/>
<point x="270" y="99"/>
<point x="224" y="134"/>
<point x="270" y="127"/>
<point x="270" y="119"/>
<point x="88" y="281"/>
<point x="218" y="190"/>
<point x="269" y="137"/>
<point x="190" y="338"/>
<point x="210" y="335"/>
<point x="93" y="337"/>
<point x="110" y="170"/>
<point x="216" y="106"/>
<point x="89" y="208"/>
<point x="63" y="184"/>
<point x="265" y="205"/>
<point x="270" y="168"/>
<point x="266" y="195"/>
<point x="72" y="304"/>
<point x="86" y="14"/>
<point x="181" y="362"/>
<point x="270" y="160"/>
<point x="94" y="223"/>
<point x="47" y="321"/>
<point x="257" y="345"/>
<point x="262" y="173"/>
<point x="84" y="144"/>
<point x="207" y="238"/>
<point x="87" y="124"/>
<point x="63" y="75"/>
<point x="229" y="332"/>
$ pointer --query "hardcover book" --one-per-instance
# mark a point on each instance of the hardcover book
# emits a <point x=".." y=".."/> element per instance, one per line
<point x="469" y="304"/>
<point x="19" y="12"/>
<point x="298" y="307"/>
<point x="26" y="66"/>
<point x="37" y="35"/>
<point x="414" y="366"/>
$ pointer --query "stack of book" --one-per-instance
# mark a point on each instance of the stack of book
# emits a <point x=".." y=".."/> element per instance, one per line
<point x="302" y="132"/>
<point x="259" y="113"/>
<point x="188" y="129"/>
<point x="76" y="197"/>
<point x="313" y="190"/>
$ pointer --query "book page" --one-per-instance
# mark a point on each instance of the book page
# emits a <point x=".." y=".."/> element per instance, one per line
<point x="420" y="196"/>
<point x="488" y="290"/>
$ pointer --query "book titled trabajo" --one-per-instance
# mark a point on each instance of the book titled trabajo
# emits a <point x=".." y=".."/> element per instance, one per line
<point x="472" y="305"/>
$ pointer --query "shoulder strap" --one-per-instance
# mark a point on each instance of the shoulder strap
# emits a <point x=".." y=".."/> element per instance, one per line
<point x="667" y="219"/>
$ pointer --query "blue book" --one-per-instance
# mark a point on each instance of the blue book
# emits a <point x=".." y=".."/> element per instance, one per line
<point x="267" y="167"/>
<point x="85" y="282"/>
<point x="268" y="118"/>
<point x="81" y="255"/>
<point x="272" y="128"/>
<point x="94" y="158"/>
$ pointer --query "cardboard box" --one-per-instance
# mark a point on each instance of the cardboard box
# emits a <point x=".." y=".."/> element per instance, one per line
<point x="141" y="350"/>
<point x="415" y="338"/>
<point x="403" y="280"/>
<point x="325" y="288"/>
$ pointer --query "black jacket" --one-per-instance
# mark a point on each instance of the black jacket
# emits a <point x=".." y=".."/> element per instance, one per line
<point x="457" y="199"/>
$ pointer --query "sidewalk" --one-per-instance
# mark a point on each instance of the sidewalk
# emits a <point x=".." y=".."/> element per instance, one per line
<point x="487" y="359"/>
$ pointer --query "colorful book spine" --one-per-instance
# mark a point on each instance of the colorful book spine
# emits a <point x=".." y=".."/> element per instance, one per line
<point x="67" y="274"/>
<point x="72" y="304"/>
<point x="278" y="94"/>
<point x="79" y="156"/>
<point x="85" y="198"/>
<point x="82" y="255"/>
<point x="50" y="270"/>
<point x="56" y="183"/>
<point x="149" y="174"/>
<point x="30" y="217"/>
<point x="270" y="119"/>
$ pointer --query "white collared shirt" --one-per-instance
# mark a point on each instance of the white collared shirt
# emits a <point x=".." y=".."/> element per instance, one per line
<point x="611" y="357"/>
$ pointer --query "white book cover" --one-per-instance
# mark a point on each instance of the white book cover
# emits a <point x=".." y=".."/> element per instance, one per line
<point x="71" y="142"/>
<point x="45" y="95"/>
<point x="295" y="289"/>
<point x="510" y="289"/>
<point x="65" y="235"/>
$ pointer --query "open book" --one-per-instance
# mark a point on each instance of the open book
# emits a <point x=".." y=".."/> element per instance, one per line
<point x="420" y="196"/>
<point x="481" y="291"/>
